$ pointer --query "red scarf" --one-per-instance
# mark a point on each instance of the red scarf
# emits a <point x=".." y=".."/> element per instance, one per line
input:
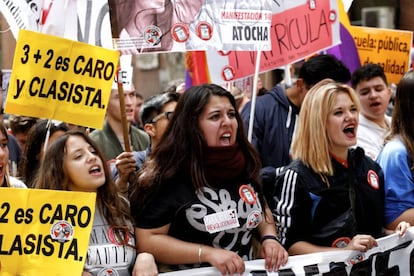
<point x="224" y="164"/>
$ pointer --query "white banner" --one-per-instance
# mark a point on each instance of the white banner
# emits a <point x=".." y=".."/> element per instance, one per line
<point x="5" y="75"/>
<point x="148" y="25"/>
<point x="162" y="26"/>
<point x="94" y="26"/>
<point x="347" y="4"/>
<point x="21" y="14"/>
<point x="392" y="257"/>
<point x="84" y="21"/>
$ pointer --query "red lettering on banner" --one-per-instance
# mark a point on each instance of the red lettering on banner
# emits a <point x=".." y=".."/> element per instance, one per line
<point x="45" y="13"/>
<point x="295" y="33"/>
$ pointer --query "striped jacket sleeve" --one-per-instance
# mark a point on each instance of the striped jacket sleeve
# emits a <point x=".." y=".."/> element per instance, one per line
<point x="292" y="208"/>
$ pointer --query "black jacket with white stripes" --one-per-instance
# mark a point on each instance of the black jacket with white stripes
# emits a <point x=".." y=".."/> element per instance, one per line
<point x="308" y="210"/>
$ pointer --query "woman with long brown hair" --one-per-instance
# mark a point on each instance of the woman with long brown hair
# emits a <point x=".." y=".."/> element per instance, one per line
<point x="74" y="162"/>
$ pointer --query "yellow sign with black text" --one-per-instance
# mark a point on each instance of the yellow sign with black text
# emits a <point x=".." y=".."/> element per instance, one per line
<point x="61" y="79"/>
<point x="44" y="232"/>
<point x="388" y="48"/>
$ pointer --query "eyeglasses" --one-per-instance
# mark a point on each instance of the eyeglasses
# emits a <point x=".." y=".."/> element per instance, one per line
<point x="167" y="115"/>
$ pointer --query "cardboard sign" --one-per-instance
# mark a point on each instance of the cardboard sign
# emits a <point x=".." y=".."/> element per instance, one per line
<point x="388" y="48"/>
<point x="61" y="79"/>
<point x="44" y="232"/>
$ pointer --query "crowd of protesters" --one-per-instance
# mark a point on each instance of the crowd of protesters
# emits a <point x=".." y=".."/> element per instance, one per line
<point x="327" y="169"/>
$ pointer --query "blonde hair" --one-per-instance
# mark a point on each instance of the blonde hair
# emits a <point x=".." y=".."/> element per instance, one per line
<point x="310" y="142"/>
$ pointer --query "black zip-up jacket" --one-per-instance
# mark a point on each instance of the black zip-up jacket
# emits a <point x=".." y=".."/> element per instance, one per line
<point x="308" y="210"/>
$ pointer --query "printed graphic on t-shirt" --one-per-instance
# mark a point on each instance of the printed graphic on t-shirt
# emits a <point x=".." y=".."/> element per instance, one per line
<point x="105" y="254"/>
<point x="226" y="216"/>
<point x="221" y="221"/>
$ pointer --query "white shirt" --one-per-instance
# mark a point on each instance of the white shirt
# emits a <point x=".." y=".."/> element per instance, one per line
<point x="16" y="183"/>
<point x="370" y="135"/>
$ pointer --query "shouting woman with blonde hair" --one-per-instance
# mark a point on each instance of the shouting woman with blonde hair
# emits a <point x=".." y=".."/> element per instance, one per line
<point x="331" y="196"/>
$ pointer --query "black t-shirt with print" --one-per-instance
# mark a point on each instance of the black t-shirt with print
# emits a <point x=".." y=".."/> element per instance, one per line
<point x="180" y="206"/>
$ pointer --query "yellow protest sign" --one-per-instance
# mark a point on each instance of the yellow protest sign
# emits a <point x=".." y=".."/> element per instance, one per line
<point x="44" y="232"/>
<point x="388" y="48"/>
<point x="60" y="79"/>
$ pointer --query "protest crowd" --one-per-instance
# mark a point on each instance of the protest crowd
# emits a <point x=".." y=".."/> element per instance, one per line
<point x="180" y="185"/>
